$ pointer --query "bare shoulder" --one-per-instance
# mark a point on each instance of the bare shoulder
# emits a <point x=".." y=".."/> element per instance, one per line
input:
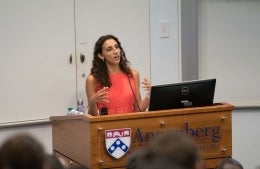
<point x="90" y="85"/>
<point x="135" y="76"/>
<point x="90" y="79"/>
<point x="135" y="73"/>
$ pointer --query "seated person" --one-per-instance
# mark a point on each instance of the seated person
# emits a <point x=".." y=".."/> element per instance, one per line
<point x="22" y="152"/>
<point x="172" y="146"/>
<point x="229" y="163"/>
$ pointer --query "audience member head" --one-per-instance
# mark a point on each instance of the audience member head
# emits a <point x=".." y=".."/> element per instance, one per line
<point x="22" y="152"/>
<point x="53" y="162"/>
<point x="78" y="167"/>
<point x="170" y="146"/>
<point x="229" y="163"/>
<point x="178" y="147"/>
<point x="142" y="159"/>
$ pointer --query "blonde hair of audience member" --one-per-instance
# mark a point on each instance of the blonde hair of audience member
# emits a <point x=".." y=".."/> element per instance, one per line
<point x="22" y="152"/>
<point x="229" y="163"/>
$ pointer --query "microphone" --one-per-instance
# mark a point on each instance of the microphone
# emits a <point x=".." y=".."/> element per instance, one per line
<point x="133" y="93"/>
<point x="103" y="111"/>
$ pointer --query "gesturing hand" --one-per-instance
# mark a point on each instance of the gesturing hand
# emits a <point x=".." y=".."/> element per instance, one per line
<point x="147" y="87"/>
<point x="100" y="95"/>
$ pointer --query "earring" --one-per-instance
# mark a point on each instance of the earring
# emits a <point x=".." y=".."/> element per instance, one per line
<point x="102" y="59"/>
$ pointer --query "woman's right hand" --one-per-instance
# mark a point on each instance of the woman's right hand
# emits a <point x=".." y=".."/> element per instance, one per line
<point x="100" y="96"/>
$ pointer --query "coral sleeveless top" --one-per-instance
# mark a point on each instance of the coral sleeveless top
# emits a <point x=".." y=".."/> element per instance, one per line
<point x="121" y="94"/>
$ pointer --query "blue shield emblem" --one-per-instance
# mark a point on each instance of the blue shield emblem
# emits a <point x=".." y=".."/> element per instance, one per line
<point x="118" y="141"/>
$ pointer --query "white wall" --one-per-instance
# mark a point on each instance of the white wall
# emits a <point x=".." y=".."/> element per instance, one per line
<point x="165" y="67"/>
<point x="246" y="136"/>
<point x="228" y="45"/>
<point x="42" y="132"/>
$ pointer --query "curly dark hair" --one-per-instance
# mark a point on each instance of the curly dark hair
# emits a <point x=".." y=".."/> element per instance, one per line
<point x="99" y="68"/>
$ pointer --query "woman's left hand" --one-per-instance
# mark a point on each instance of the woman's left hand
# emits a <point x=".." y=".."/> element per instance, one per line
<point x="147" y="87"/>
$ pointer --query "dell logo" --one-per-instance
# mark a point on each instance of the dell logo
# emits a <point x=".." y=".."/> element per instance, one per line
<point x="185" y="90"/>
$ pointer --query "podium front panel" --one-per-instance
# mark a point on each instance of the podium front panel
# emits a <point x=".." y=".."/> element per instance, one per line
<point x="211" y="132"/>
<point x="106" y="141"/>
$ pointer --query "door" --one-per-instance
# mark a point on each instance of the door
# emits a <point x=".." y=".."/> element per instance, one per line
<point x="37" y="40"/>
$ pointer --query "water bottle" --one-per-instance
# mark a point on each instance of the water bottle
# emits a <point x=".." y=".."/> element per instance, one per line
<point x="80" y="106"/>
<point x="72" y="111"/>
<point x="69" y="112"/>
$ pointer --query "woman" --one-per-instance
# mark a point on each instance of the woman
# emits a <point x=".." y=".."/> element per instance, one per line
<point x="112" y="84"/>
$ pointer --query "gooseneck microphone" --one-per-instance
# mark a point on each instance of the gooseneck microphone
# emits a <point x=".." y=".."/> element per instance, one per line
<point x="128" y="76"/>
<point x="103" y="111"/>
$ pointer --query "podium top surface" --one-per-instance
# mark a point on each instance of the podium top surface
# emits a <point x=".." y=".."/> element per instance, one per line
<point x="148" y="114"/>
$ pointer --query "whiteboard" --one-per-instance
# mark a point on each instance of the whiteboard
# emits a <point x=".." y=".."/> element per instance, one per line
<point x="229" y="49"/>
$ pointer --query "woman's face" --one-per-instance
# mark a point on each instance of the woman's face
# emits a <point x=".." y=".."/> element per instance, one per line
<point x="110" y="52"/>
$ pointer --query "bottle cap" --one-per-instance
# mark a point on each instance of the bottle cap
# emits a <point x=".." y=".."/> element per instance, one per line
<point x="70" y="108"/>
<point x="80" y="101"/>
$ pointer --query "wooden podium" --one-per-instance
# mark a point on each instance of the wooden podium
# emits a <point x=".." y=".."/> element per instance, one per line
<point x="81" y="139"/>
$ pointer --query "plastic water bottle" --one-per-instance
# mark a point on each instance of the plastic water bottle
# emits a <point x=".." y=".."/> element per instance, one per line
<point x="80" y="106"/>
<point x="71" y="111"/>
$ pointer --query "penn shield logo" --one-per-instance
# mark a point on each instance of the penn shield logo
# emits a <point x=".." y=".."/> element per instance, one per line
<point x="118" y="141"/>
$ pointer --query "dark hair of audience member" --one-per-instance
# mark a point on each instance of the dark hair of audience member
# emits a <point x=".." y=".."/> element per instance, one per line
<point x="142" y="159"/>
<point x="173" y="146"/>
<point x="229" y="163"/>
<point x="178" y="147"/>
<point x="53" y="162"/>
<point x="21" y="152"/>
<point x="78" y="167"/>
